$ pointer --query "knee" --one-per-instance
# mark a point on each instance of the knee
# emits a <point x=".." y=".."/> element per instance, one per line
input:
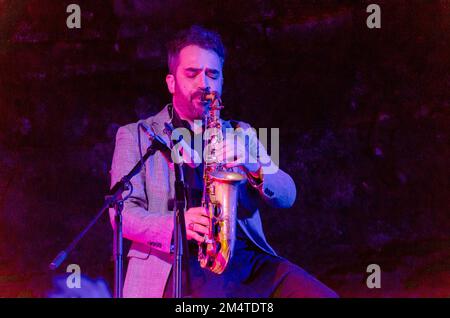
<point x="297" y="283"/>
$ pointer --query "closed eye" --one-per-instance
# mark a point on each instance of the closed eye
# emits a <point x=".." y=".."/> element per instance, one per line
<point x="191" y="72"/>
<point x="214" y="74"/>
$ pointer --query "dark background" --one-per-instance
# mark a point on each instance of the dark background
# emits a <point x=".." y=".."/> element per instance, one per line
<point x="363" y="116"/>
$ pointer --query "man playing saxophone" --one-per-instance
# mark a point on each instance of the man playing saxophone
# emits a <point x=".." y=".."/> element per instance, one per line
<point x="195" y="58"/>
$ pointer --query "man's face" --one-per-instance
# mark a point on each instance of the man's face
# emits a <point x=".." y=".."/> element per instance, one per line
<point x="197" y="70"/>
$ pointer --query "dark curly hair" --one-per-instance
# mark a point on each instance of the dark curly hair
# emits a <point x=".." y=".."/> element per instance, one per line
<point x="195" y="35"/>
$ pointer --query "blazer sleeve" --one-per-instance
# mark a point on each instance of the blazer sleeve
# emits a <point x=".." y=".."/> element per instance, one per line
<point x="153" y="228"/>
<point x="278" y="188"/>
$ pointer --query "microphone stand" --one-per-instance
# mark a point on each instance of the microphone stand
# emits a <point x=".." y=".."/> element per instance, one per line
<point x="113" y="199"/>
<point x="179" y="231"/>
<point x="180" y="239"/>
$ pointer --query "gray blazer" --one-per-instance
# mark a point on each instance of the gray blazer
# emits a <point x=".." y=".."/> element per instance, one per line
<point x="148" y="222"/>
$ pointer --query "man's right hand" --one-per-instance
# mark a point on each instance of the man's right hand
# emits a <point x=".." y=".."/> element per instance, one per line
<point x="197" y="223"/>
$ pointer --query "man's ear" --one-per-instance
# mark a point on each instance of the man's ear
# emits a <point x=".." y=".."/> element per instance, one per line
<point x="170" y="81"/>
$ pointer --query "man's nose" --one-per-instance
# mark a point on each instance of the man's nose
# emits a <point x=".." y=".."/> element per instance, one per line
<point x="203" y="81"/>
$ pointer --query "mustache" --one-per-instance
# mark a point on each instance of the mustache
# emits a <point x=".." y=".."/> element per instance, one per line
<point x="197" y="94"/>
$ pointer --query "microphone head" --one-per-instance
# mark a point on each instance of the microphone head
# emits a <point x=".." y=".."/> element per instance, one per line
<point x="168" y="129"/>
<point x="146" y="129"/>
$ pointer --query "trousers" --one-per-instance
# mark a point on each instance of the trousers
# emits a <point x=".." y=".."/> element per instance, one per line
<point x="251" y="273"/>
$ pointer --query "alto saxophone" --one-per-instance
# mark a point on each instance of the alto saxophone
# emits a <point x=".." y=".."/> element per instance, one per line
<point x="220" y="194"/>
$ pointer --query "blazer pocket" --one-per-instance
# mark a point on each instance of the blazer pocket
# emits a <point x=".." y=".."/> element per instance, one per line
<point x="139" y="250"/>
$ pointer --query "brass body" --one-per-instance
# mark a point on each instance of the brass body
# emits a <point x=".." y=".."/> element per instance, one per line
<point x="220" y="196"/>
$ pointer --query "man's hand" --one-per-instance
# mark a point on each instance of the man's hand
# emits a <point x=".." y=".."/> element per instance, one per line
<point x="236" y="154"/>
<point x="197" y="223"/>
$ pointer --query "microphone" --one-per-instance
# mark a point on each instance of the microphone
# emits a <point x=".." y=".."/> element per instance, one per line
<point x="189" y="155"/>
<point x="157" y="142"/>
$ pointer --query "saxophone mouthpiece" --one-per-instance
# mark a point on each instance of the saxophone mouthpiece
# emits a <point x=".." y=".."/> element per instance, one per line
<point x="213" y="98"/>
<point x="207" y="95"/>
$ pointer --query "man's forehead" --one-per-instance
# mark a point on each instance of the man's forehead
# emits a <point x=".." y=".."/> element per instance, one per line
<point x="193" y="56"/>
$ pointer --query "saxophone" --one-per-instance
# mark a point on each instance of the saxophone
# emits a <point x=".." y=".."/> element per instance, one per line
<point x="220" y="194"/>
